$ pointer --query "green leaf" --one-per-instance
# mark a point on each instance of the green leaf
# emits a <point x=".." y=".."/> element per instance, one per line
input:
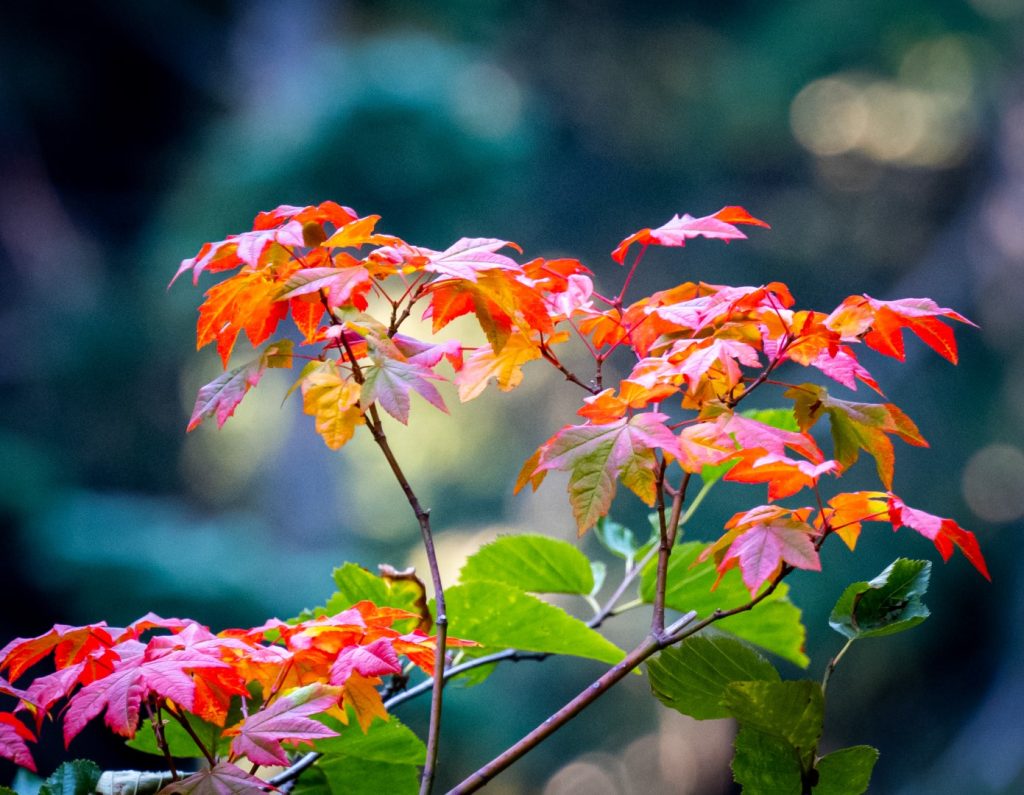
<point x="500" y="616"/>
<point x="346" y="775"/>
<point x="692" y="676"/>
<point x="710" y="473"/>
<point x="7" y="791"/>
<point x="617" y="538"/>
<point x="73" y="778"/>
<point x="599" y="571"/>
<point x="888" y="604"/>
<point x="354" y="584"/>
<point x="531" y="563"/>
<point x="765" y="764"/>
<point x="792" y="711"/>
<point x="384" y="759"/>
<point x="774" y="624"/>
<point x="26" y="783"/>
<point x="181" y="744"/>
<point x="846" y="772"/>
<point x="783" y="419"/>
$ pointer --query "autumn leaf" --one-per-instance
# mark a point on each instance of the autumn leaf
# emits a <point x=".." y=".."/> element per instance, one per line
<point x="236" y="250"/>
<point x="505" y="367"/>
<point x="785" y="476"/>
<point x="259" y="736"/>
<point x="761" y="540"/>
<point x="223" y="778"/>
<point x="944" y="533"/>
<point x="333" y="401"/>
<point x="221" y="396"/>
<point x="388" y="382"/>
<point x="245" y="301"/>
<point x="856" y="427"/>
<point x="880" y="324"/>
<point x="600" y="455"/>
<point x="468" y="257"/>
<point x="374" y="659"/>
<point x="681" y="228"/>
<point x="13" y="734"/>
<point x="847" y="511"/>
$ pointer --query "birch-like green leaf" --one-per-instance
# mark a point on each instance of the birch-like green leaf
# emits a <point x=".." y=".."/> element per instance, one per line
<point x="531" y="563"/>
<point x="692" y="676"/>
<point x="888" y="604"/>
<point x="846" y="772"/>
<point x="501" y="616"/>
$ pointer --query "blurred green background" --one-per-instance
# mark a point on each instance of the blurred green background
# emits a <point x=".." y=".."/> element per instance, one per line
<point x="884" y="142"/>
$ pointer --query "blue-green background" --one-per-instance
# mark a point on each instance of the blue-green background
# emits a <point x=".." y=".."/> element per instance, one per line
<point x="883" y="141"/>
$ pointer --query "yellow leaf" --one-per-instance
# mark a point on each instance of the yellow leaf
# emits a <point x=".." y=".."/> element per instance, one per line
<point x="333" y="401"/>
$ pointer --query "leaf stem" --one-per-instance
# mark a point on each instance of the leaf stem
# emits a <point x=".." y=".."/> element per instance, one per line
<point x="833" y="663"/>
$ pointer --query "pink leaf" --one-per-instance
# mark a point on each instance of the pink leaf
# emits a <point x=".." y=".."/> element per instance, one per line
<point x="470" y="256"/>
<point x="763" y="548"/>
<point x="944" y="533"/>
<point x="373" y="659"/>
<point x="13" y="734"/>
<point x="259" y="736"/>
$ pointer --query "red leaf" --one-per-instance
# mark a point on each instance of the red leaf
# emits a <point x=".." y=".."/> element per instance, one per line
<point x="944" y="533"/>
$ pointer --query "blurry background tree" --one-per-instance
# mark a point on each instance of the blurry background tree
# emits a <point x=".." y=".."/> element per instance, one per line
<point x="883" y="141"/>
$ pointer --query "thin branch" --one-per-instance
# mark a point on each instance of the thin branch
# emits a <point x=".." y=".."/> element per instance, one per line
<point x="668" y="529"/>
<point x="681" y="629"/>
<point x="179" y="715"/>
<point x="161" y="740"/>
<point x="376" y="428"/>
<point x="549" y="355"/>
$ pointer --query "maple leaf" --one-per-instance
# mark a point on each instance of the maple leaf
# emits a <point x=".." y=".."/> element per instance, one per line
<point x="344" y="283"/>
<point x="856" y="427"/>
<point x="140" y="671"/>
<point x="223" y="778"/>
<point x="505" y="366"/>
<point x="222" y="395"/>
<point x="881" y="324"/>
<point x="333" y="402"/>
<point x="944" y="533"/>
<point x="361" y="694"/>
<point x="245" y="301"/>
<point x="359" y="232"/>
<point x="847" y="511"/>
<point x="374" y="659"/>
<point x="259" y="736"/>
<point x="69" y="646"/>
<point x="13" y="734"/>
<point x="784" y="476"/>
<point x="681" y="228"/>
<point x="597" y="456"/>
<point x="606" y="406"/>
<point x="246" y="248"/>
<point x="467" y="257"/>
<point x="325" y="212"/>
<point x="499" y="300"/>
<point x="761" y="540"/>
<point x="389" y="380"/>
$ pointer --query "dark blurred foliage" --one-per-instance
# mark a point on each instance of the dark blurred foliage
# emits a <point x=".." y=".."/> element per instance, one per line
<point x="883" y="141"/>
